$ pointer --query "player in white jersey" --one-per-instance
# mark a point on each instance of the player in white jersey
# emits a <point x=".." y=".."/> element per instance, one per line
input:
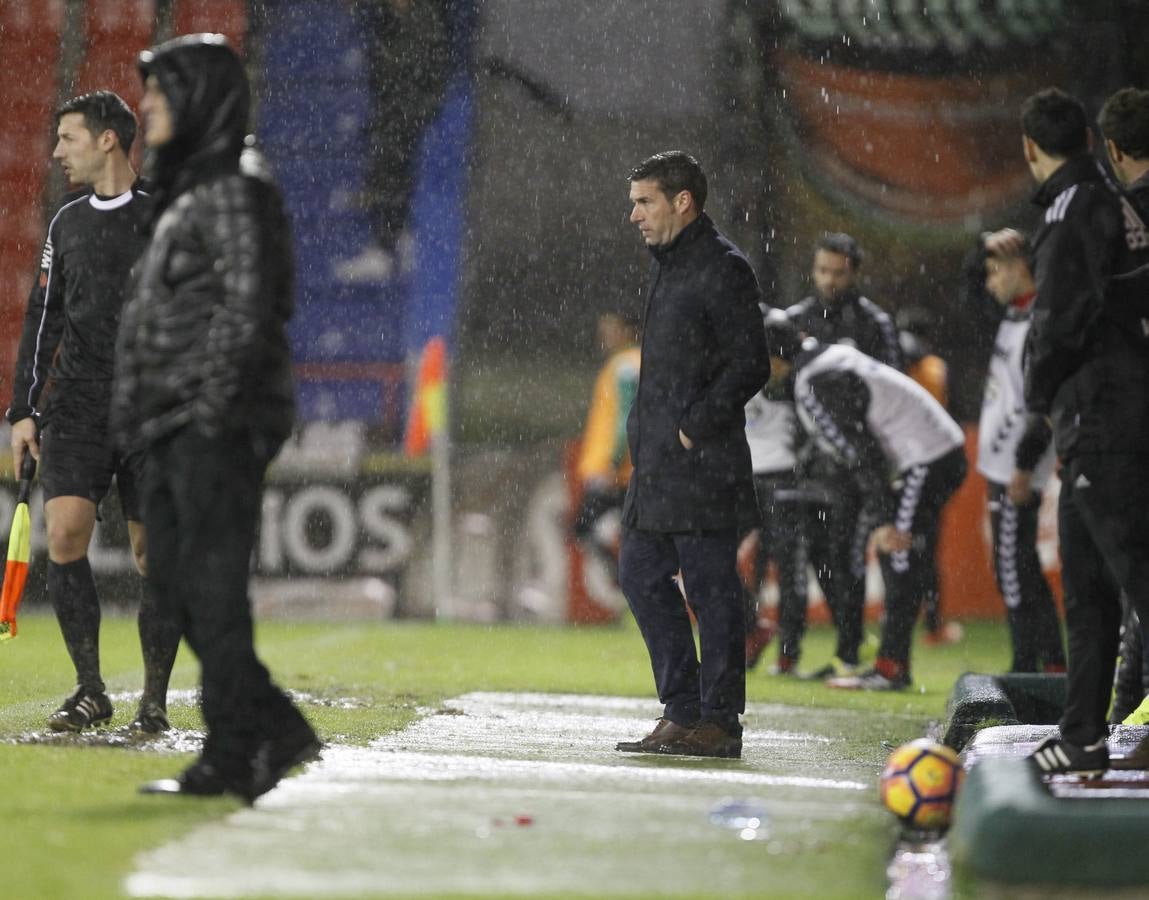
<point x="1016" y="470"/>
<point x="772" y="432"/>
<point x="907" y="455"/>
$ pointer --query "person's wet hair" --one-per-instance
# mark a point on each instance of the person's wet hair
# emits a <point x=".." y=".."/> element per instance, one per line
<point x="1056" y="122"/>
<point x="675" y="171"/>
<point x="103" y="111"/>
<point x="1124" y="120"/>
<point x="841" y="243"/>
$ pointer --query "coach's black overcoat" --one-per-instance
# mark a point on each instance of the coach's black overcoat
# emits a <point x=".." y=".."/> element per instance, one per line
<point x="704" y="355"/>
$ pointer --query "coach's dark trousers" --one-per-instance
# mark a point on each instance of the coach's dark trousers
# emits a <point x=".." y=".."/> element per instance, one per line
<point x="692" y="691"/>
<point x="1104" y="533"/>
<point x="201" y="503"/>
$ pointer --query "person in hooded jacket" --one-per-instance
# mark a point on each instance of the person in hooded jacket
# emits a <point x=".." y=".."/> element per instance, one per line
<point x="691" y="495"/>
<point x="204" y="385"/>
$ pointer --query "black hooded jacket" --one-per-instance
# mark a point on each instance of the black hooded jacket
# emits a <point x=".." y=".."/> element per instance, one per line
<point x="851" y="319"/>
<point x="203" y="339"/>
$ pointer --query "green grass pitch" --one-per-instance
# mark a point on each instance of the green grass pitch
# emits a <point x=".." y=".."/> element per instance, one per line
<point x="72" y="821"/>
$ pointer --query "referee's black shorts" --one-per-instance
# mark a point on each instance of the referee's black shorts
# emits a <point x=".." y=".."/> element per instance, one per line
<point x="79" y="460"/>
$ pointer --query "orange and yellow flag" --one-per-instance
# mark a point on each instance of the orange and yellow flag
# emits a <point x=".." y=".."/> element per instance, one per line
<point x="428" y="416"/>
<point x="19" y="550"/>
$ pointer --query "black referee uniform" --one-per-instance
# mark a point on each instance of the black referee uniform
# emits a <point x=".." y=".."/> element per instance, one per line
<point x="63" y="378"/>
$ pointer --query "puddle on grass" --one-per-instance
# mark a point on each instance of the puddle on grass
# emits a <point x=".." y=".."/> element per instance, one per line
<point x="920" y="869"/>
<point x="174" y="740"/>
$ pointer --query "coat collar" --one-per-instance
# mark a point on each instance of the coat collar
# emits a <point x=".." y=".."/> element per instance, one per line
<point x="1073" y="171"/>
<point x="667" y="253"/>
<point x="1140" y="186"/>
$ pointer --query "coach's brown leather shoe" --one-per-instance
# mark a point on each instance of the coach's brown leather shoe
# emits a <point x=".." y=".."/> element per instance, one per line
<point x="707" y="739"/>
<point x="1138" y="760"/>
<point x="664" y="732"/>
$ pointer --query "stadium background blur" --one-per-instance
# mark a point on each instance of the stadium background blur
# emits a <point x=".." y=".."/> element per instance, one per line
<point x="898" y="128"/>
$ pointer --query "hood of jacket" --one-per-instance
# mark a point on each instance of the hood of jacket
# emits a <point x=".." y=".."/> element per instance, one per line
<point x="210" y="99"/>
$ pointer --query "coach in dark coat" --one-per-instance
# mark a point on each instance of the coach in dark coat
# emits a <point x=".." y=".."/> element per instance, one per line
<point x="704" y="355"/>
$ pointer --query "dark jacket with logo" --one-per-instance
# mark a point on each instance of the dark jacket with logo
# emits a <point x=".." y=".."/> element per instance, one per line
<point x="851" y="319"/>
<point x="1088" y="366"/>
<point x="203" y="339"/>
<point x="704" y="355"/>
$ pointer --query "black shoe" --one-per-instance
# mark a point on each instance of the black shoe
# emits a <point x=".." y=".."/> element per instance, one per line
<point x="81" y="710"/>
<point x="151" y="718"/>
<point x="275" y="757"/>
<point x="200" y="779"/>
<point x="1055" y="756"/>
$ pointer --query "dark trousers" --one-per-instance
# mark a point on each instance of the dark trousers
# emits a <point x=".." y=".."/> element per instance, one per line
<point x="922" y="493"/>
<point x="836" y="547"/>
<point x="1104" y="534"/>
<point x="201" y="503"/>
<point x="1131" y="681"/>
<point x="781" y="540"/>
<point x="1034" y="628"/>
<point x="712" y="689"/>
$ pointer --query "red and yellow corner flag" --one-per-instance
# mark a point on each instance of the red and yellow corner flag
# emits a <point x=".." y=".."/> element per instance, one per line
<point x="19" y="549"/>
<point x="428" y="414"/>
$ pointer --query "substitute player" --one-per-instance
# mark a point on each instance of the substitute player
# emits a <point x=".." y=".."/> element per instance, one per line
<point x="1016" y="471"/>
<point x="62" y="392"/>
<point x="877" y="421"/>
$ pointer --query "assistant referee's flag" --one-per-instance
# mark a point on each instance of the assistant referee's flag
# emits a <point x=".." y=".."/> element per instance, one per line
<point x="427" y="419"/>
<point x="19" y="549"/>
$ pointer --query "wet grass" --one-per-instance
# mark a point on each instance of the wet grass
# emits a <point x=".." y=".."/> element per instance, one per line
<point x="73" y="822"/>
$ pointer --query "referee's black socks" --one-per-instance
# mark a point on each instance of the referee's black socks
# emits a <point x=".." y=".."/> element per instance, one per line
<point x="72" y="590"/>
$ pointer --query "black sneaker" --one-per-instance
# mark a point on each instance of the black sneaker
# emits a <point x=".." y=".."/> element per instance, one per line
<point x="276" y="757"/>
<point x="200" y="779"/>
<point x="81" y="710"/>
<point x="151" y="718"/>
<point x="1055" y="756"/>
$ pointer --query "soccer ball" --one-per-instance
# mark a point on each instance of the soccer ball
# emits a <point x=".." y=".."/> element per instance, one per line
<point x="920" y="783"/>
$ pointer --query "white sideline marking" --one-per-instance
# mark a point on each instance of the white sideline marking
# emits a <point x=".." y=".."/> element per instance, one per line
<point x="432" y="809"/>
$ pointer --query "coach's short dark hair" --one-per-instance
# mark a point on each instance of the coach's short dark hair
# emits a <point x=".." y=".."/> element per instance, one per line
<point x="1124" y="120"/>
<point x="103" y="111"/>
<point x="675" y="171"/>
<point x="841" y="243"/>
<point x="1056" y="122"/>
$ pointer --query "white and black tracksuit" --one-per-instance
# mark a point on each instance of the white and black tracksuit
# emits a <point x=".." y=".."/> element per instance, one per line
<point x="835" y="533"/>
<point x="772" y="431"/>
<point x="1035" y="632"/>
<point x="880" y="422"/>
